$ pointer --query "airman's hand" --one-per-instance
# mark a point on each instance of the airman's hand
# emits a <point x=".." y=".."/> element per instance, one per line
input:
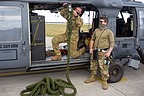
<point x="107" y="54"/>
<point x="75" y="13"/>
<point x="90" y="51"/>
<point x="64" y="4"/>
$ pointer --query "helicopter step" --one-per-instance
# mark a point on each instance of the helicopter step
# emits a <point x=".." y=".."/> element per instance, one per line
<point x="49" y="64"/>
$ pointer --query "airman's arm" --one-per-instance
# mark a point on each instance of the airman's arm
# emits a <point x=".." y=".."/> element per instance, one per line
<point x="79" y="21"/>
<point x="63" y="12"/>
<point x="111" y="39"/>
<point x="91" y="46"/>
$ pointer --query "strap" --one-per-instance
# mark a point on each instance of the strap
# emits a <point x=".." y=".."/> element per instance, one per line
<point x="99" y="37"/>
<point x="34" y="43"/>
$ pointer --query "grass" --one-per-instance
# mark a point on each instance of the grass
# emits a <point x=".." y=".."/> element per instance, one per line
<point x="53" y="29"/>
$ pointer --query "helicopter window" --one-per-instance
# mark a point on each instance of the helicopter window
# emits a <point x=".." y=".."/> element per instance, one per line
<point x="59" y="21"/>
<point x="124" y="23"/>
<point x="88" y="19"/>
<point x="10" y="23"/>
<point x="141" y="13"/>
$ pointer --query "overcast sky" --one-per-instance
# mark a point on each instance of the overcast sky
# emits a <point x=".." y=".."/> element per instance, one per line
<point x="53" y="17"/>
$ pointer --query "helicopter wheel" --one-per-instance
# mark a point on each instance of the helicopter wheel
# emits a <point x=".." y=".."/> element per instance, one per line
<point x="116" y="72"/>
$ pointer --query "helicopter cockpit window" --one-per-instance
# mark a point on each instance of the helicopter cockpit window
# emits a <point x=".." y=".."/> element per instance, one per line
<point x="141" y="13"/>
<point x="10" y="24"/>
<point x="124" y="25"/>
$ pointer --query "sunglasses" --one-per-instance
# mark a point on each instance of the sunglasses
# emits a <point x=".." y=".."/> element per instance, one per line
<point x="101" y="21"/>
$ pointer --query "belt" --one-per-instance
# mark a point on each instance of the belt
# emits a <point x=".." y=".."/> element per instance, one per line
<point x="103" y="50"/>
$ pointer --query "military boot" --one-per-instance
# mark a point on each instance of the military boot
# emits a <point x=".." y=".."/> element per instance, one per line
<point x="104" y="85"/>
<point x="91" y="79"/>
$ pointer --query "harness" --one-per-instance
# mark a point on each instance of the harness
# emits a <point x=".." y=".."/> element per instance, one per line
<point x="54" y="87"/>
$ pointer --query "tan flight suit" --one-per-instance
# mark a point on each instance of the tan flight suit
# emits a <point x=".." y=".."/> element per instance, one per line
<point x="104" y="39"/>
<point x="77" y="23"/>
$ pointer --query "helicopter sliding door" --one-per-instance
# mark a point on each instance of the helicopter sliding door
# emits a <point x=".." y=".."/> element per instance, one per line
<point x="140" y="14"/>
<point x="126" y="32"/>
<point x="14" y="35"/>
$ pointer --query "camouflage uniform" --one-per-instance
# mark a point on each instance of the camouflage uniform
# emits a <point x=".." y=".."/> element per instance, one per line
<point x="106" y="40"/>
<point x="77" y="23"/>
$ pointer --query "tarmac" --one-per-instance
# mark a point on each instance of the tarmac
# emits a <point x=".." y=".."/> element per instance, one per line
<point x="132" y="83"/>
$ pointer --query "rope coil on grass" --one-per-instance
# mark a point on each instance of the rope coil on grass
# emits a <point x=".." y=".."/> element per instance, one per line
<point x="49" y="87"/>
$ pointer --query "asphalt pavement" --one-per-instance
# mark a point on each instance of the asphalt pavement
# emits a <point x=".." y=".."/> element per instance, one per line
<point x="132" y="84"/>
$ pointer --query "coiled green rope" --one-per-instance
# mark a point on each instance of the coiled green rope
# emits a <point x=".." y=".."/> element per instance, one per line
<point x="49" y="87"/>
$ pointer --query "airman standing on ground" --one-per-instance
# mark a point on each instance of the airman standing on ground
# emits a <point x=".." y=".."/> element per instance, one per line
<point x="101" y="46"/>
<point x="77" y="23"/>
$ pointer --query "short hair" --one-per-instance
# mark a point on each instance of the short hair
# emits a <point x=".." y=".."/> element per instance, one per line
<point x="105" y="19"/>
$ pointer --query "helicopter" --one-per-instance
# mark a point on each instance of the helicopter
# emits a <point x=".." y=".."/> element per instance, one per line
<point x="23" y="40"/>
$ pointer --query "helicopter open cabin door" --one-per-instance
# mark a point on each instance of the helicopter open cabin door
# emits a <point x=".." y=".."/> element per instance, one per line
<point x="14" y="35"/>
